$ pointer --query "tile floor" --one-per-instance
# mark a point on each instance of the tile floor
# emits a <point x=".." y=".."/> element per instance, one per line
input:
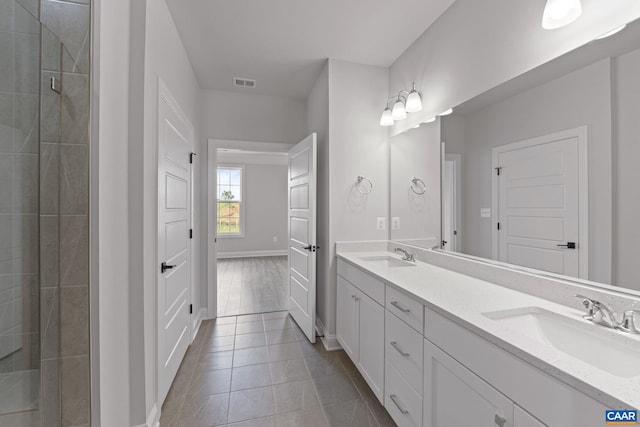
<point x="252" y="285"/>
<point x="260" y="371"/>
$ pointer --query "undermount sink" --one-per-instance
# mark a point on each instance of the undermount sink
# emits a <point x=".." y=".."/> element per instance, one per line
<point x="386" y="261"/>
<point x="600" y="347"/>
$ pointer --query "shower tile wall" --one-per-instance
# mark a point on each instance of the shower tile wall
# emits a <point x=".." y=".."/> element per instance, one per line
<point x="19" y="246"/>
<point x="64" y="204"/>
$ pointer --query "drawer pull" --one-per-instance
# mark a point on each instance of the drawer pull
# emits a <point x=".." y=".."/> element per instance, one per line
<point x="500" y="422"/>
<point x="399" y="307"/>
<point x="397" y="347"/>
<point x="393" y="398"/>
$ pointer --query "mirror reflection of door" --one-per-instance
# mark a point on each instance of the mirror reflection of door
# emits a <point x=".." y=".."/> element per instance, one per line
<point x="450" y="194"/>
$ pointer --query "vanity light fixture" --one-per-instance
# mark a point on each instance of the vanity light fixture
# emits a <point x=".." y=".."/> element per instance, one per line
<point x="405" y="102"/>
<point x="612" y="32"/>
<point x="446" y="113"/>
<point x="431" y="120"/>
<point x="558" y="13"/>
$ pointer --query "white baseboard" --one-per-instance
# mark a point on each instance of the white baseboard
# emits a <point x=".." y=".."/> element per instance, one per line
<point x="197" y="322"/>
<point x="153" y="420"/>
<point x="329" y="341"/>
<point x="253" y="254"/>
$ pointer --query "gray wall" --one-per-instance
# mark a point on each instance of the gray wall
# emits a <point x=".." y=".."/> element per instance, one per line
<point x="577" y="99"/>
<point x="265" y="211"/>
<point x="626" y="232"/>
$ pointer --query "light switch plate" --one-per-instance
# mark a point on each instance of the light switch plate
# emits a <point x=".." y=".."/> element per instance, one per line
<point x="485" y="212"/>
<point x="395" y="223"/>
<point x="381" y="223"/>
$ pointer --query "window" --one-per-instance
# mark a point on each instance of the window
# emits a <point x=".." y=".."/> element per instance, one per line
<point x="229" y="194"/>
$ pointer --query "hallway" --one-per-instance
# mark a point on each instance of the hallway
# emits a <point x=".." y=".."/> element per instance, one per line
<point x="259" y="370"/>
<point x="252" y="285"/>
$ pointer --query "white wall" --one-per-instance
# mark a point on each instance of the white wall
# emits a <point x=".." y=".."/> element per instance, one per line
<point x="626" y="233"/>
<point x="472" y="48"/>
<point x="416" y="153"/>
<point x="318" y="122"/>
<point x="358" y="145"/>
<point x="109" y="196"/>
<point x="577" y="99"/>
<point x="250" y="117"/>
<point x="264" y="203"/>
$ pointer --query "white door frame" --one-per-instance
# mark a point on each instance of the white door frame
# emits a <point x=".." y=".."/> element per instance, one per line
<point x="583" y="187"/>
<point x="165" y="93"/>
<point x="212" y="176"/>
<point x="456" y="159"/>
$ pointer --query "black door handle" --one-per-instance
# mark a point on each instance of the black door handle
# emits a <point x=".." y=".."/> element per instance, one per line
<point x="164" y="267"/>
<point x="311" y="248"/>
<point x="569" y="245"/>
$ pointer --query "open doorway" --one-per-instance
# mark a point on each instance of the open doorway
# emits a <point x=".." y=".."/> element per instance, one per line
<point x="252" y="230"/>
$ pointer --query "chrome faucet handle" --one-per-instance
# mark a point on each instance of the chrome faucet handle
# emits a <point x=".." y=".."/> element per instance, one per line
<point x="590" y="304"/>
<point x="599" y="313"/>
<point x="628" y="322"/>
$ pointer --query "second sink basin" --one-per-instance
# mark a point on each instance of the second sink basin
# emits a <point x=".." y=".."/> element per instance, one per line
<point x="596" y="345"/>
<point x="386" y="261"/>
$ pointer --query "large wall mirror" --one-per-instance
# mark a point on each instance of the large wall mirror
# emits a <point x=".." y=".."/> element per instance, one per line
<point x="542" y="171"/>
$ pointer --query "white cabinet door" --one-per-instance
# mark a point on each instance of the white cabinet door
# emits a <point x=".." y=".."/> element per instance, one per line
<point x="455" y="396"/>
<point x="371" y="343"/>
<point x="347" y="318"/>
<point x="521" y="418"/>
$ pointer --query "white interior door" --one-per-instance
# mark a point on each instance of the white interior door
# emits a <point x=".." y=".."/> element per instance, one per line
<point x="175" y="137"/>
<point x="449" y="196"/>
<point x="540" y="204"/>
<point x="302" y="235"/>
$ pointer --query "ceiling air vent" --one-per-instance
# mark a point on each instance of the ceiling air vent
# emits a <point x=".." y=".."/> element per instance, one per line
<point x="239" y="82"/>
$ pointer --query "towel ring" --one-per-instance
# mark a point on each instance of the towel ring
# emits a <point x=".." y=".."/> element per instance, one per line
<point x="359" y="181"/>
<point x="419" y="184"/>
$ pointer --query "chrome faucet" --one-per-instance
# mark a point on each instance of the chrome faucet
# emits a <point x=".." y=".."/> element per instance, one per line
<point x="406" y="256"/>
<point x="599" y="313"/>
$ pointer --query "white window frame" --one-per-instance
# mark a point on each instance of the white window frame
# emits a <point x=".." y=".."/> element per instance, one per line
<point x="242" y="202"/>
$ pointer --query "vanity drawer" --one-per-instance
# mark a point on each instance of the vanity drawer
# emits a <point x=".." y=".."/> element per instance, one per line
<point x="361" y="280"/>
<point x="407" y="309"/>
<point x="404" y="350"/>
<point x="400" y="400"/>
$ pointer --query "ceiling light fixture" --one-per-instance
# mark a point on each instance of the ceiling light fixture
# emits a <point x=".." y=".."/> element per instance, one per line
<point x="405" y="102"/>
<point x="558" y="13"/>
<point x="612" y="32"/>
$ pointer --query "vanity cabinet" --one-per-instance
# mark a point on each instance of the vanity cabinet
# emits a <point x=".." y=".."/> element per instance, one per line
<point x="360" y="330"/>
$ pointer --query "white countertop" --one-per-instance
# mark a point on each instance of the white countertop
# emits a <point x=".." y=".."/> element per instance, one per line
<point x="463" y="299"/>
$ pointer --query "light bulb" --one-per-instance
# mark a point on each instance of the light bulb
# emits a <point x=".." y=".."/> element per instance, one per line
<point x="386" y="119"/>
<point x="399" y="112"/>
<point x="558" y="13"/>
<point x="414" y="101"/>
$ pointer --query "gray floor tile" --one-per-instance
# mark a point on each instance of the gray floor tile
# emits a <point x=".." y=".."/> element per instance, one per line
<point x="211" y="382"/>
<point x="250" y="356"/>
<point x="223" y="330"/>
<point x="218" y="344"/>
<point x="250" y="318"/>
<point x="250" y="340"/>
<point x="325" y="364"/>
<point x="252" y="403"/>
<point x="281" y="336"/>
<point x="225" y="320"/>
<point x="335" y="388"/>
<point x="294" y="396"/>
<point x="305" y="417"/>
<point x="204" y="411"/>
<point x="250" y="377"/>
<point x="278" y="324"/>
<point x="288" y="370"/>
<point x="285" y="351"/>
<point x="352" y="413"/>
<point x="215" y="361"/>
<point x="258" y="422"/>
<point x="275" y="315"/>
<point x="249" y="327"/>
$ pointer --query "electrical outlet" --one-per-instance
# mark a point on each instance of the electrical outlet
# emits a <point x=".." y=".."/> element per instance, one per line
<point x="275" y="239"/>
<point x="381" y="223"/>
<point x="485" y="212"/>
<point x="395" y="223"/>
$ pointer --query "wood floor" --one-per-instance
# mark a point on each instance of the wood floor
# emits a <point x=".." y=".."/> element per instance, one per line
<point x="252" y="285"/>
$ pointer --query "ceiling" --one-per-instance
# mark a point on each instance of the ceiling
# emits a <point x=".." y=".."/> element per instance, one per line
<point x="283" y="43"/>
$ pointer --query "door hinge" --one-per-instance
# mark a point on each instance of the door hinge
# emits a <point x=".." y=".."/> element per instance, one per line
<point x="190" y="308"/>
<point x="191" y="233"/>
<point x="498" y="170"/>
<point x="498" y="226"/>
<point x="191" y="155"/>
